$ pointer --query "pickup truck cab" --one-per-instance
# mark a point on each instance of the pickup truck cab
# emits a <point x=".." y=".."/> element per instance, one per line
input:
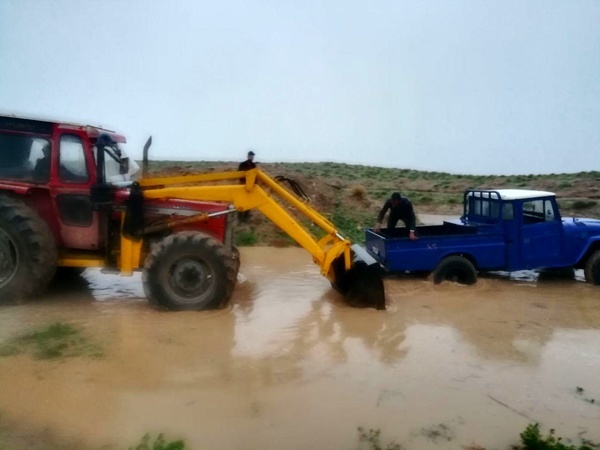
<point x="500" y="230"/>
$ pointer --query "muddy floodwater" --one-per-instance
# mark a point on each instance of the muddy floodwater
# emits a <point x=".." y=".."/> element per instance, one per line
<point x="289" y="365"/>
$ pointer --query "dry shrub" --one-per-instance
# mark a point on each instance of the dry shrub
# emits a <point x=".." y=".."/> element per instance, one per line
<point x="359" y="192"/>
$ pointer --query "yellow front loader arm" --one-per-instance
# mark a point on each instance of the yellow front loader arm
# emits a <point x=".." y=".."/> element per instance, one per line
<point x="348" y="267"/>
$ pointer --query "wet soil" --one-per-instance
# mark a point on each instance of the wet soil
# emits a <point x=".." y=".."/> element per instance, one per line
<point x="289" y="365"/>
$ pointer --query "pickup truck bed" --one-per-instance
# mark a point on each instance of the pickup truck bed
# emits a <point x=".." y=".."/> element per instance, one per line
<point x="482" y="244"/>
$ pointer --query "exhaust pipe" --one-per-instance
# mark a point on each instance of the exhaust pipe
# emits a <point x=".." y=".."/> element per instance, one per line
<point x="362" y="285"/>
<point x="145" y="157"/>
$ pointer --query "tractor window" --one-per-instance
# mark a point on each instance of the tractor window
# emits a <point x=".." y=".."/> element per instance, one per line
<point x="112" y="168"/>
<point x="73" y="168"/>
<point x="24" y="158"/>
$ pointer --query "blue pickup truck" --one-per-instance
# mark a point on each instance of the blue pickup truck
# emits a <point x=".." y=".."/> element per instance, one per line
<point x="500" y="230"/>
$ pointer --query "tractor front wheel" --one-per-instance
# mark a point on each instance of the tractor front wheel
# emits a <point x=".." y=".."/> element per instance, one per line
<point x="189" y="271"/>
<point x="27" y="251"/>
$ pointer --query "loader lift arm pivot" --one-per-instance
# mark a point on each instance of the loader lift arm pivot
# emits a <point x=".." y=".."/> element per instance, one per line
<point x="348" y="267"/>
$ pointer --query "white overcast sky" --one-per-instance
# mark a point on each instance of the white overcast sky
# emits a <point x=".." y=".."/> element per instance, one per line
<point x="464" y="86"/>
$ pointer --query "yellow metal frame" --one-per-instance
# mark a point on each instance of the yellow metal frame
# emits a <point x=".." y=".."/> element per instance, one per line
<point x="252" y="194"/>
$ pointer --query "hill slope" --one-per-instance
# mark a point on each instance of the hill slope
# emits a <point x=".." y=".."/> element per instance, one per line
<point x="351" y="195"/>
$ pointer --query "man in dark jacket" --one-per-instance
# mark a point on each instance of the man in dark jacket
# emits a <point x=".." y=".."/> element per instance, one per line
<point x="400" y="209"/>
<point x="249" y="164"/>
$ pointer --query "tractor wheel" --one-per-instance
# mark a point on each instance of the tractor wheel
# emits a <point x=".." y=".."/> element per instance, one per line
<point x="27" y="251"/>
<point x="455" y="268"/>
<point x="189" y="271"/>
<point x="592" y="268"/>
<point x="236" y="258"/>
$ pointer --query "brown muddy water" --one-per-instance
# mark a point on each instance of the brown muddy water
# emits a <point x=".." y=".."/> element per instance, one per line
<point x="289" y="365"/>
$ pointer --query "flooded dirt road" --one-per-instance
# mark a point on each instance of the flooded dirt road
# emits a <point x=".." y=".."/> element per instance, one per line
<point x="289" y="365"/>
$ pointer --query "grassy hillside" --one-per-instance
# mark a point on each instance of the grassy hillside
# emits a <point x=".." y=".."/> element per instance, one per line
<point x="351" y="195"/>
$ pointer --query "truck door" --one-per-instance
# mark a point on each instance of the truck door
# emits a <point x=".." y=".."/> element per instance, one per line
<point x="70" y="191"/>
<point x="541" y="234"/>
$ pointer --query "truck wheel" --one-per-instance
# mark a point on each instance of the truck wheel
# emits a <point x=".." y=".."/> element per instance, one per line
<point x="455" y="268"/>
<point x="27" y="251"/>
<point x="189" y="271"/>
<point x="592" y="268"/>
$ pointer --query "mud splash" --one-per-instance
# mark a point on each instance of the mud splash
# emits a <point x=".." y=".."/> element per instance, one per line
<point x="289" y="365"/>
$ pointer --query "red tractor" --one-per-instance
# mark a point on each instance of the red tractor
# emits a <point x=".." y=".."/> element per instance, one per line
<point x="59" y="208"/>
<point x="67" y="199"/>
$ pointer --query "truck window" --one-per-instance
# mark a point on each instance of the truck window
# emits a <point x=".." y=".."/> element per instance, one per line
<point x="549" y="209"/>
<point x="536" y="211"/>
<point x="508" y="211"/>
<point x="24" y="158"/>
<point x="494" y="209"/>
<point x="73" y="168"/>
<point x="484" y="207"/>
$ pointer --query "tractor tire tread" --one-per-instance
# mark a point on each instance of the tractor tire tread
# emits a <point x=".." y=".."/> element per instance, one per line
<point x="37" y="245"/>
<point x="186" y="239"/>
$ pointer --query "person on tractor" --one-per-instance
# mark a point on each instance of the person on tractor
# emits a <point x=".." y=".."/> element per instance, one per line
<point x="41" y="171"/>
<point x="249" y="164"/>
<point x="400" y="209"/>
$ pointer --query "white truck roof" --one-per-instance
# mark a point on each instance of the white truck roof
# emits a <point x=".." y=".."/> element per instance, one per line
<point x="515" y="194"/>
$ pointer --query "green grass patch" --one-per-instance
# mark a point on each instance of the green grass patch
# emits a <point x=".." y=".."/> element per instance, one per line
<point x="532" y="439"/>
<point x="583" y="204"/>
<point x="58" y="340"/>
<point x="245" y="238"/>
<point x="565" y="184"/>
<point x="352" y="226"/>
<point x="372" y="440"/>
<point x="159" y="443"/>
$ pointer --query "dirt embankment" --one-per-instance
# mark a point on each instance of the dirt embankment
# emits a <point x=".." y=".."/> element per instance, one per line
<point x="351" y="195"/>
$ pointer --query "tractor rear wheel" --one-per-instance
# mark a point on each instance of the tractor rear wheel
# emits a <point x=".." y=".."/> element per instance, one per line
<point x="455" y="268"/>
<point x="189" y="271"/>
<point x="592" y="268"/>
<point x="27" y="251"/>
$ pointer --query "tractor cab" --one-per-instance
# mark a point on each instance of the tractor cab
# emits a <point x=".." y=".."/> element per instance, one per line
<point x="77" y="177"/>
<point x="42" y="153"/>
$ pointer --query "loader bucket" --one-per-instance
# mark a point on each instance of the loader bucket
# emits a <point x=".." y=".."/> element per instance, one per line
<point x="362" y="285"/>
